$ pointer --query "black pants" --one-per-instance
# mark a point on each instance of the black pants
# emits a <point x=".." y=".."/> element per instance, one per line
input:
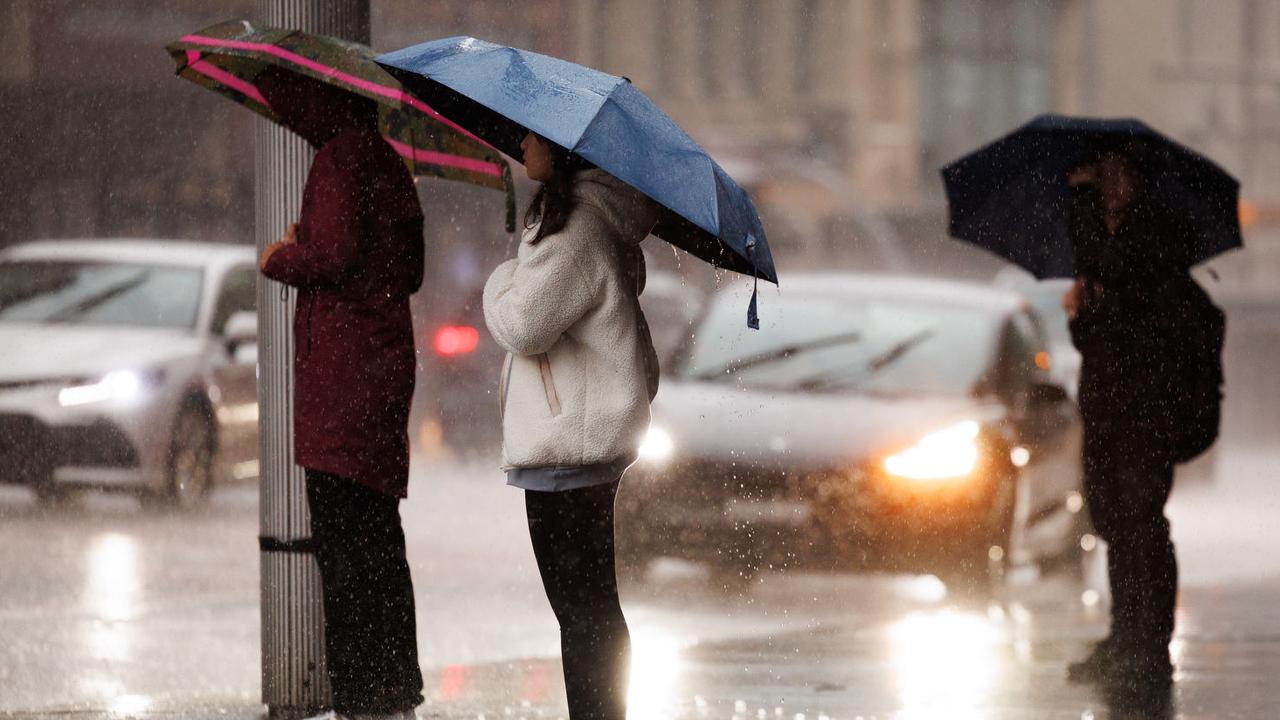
<point x="371" y="645"/>
<point x="572" y="533"/>
<point x="1127" y="480"/>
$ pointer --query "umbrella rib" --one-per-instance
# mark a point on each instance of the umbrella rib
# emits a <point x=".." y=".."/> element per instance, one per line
<point x="333" y="72"/>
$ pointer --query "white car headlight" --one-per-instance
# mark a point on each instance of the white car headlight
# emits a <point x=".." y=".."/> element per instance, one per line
<point x="947" y="453"/>
<point x="118" y="385"/>
<point x="657" y="445"/>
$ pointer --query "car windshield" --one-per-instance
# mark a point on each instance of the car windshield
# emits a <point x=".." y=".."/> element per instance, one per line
<point x="871" y="345"/>
<point x="99" y="293"/>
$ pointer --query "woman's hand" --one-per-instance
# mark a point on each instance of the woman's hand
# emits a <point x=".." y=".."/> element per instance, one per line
<point x="289" y="237"/>
<point x="1071" y="301"/>
<point x="1082" y="293"/>
<point x="1083" y="175"/>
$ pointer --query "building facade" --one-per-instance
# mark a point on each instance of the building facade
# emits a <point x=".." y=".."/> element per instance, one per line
<point x="836" y="113"/>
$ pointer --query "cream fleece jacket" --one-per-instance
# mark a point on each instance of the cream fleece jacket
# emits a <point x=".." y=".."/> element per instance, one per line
<point x="581" y="369"/>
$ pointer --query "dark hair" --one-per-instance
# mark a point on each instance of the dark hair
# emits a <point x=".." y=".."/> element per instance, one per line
<point x="550" y="207"/>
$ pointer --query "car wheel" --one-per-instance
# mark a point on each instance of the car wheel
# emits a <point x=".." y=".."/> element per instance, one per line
<point x="190" y="468"/>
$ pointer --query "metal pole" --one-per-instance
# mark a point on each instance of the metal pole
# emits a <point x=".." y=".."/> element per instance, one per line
<point x="294" y="680"/>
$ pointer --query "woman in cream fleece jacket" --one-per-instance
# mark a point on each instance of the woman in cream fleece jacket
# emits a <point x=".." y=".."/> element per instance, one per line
<point x="575" y="393"/>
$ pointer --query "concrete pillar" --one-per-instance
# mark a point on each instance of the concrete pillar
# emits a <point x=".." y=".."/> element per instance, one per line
<point x="294" y="681"/>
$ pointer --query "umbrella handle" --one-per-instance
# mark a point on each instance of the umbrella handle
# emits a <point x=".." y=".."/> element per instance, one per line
<point x="510" y="186"/>
<point x="753" y="314"/>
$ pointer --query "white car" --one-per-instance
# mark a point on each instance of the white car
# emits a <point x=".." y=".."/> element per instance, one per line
<point x="881" y="422"/>
<point x="1045" y="299"/>
<point x="129" y="365"/>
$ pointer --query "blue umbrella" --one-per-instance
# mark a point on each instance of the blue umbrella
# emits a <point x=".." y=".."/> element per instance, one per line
<point x="1011" y="196"/>
<point x="500" y="93"/>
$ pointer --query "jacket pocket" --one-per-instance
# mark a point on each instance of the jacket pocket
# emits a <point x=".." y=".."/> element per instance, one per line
<point x="504" y="386"/>
<point x="549" y="384"/>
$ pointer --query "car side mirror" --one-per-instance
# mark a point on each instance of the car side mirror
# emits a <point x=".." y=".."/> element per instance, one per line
<point x="241" y="336"/>
<point x="1047" y="395"/>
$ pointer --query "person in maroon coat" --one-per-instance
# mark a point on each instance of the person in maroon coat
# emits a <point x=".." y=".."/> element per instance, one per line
<point x="355" y="256"/>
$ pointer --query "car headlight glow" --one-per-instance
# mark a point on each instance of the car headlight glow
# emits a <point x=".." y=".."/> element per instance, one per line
<point x="119" y="385"/>
<point x="947" y="453"/>
<point x="657" y="445"/>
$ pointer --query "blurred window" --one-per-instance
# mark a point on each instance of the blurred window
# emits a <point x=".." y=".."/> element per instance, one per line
<point x="94" y="293"/>
<point x="867" y="344"/>
<point x="806" y="17"/>
<point x="752" y="49"/>
<point x="987" y="67"/>
<point x="238" y="293"/>
<point x="709" y="33"/>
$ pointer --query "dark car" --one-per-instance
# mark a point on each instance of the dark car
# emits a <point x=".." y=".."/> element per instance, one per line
<point x="457" y="406"/>
<point x="894" y="423"/>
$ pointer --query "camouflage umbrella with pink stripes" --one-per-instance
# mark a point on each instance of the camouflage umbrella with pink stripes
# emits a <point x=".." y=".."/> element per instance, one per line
<point x="229" y="57"/>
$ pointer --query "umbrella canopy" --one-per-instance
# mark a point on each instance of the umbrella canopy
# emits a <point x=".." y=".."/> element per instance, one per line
<point x="501" y="93"/>
<point x="1011" y="196"/>
<point x="236" y="58"/>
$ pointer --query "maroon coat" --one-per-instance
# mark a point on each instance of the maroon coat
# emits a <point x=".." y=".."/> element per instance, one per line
<point x="358" y="257"/>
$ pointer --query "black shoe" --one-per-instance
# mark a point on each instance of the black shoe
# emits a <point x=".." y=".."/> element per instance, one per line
<point x="1097" y="666"/>
<point x="1142" y="671"/>
<point x="1141" y="688"/>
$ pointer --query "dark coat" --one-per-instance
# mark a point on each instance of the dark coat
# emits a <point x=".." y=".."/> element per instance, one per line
<point x="358" y="257"/>
<point x="1144" y="335"/>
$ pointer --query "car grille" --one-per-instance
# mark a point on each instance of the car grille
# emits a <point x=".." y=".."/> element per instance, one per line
<point x="98" y="445"/>
<point x="30" y="450"/>
<point x="714" y="482"/>
<point x="26" y="453"/>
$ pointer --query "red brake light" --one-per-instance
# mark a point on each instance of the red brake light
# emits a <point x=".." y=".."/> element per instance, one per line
<point x="456" y="340"/>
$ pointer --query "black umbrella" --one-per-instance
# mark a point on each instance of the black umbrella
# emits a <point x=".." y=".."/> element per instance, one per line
<point x="1011" y="196"/>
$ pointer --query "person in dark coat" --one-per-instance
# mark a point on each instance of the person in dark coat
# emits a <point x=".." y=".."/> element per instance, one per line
<point x="1141" y="323"/>
<point x="355" y="256"/>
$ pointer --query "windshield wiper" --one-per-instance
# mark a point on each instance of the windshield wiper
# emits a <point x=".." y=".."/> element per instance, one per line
<point x="98" y="298"/>
<point x="870" y="368"/>
<point x="895" y="353"/>
<point x="776" y="354"/>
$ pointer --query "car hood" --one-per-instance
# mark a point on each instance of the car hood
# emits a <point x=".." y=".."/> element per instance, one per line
<point x="712" y="422"/>
<point x="41" y="352"/>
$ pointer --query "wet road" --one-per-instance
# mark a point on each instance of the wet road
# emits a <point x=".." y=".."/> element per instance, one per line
<point x="106" y="607"/>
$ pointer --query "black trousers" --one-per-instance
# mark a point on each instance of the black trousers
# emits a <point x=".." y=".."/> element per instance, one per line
<point x="371" y="645"/>
<point x="573" y="542"/>
<point x="1127" y="480"/>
